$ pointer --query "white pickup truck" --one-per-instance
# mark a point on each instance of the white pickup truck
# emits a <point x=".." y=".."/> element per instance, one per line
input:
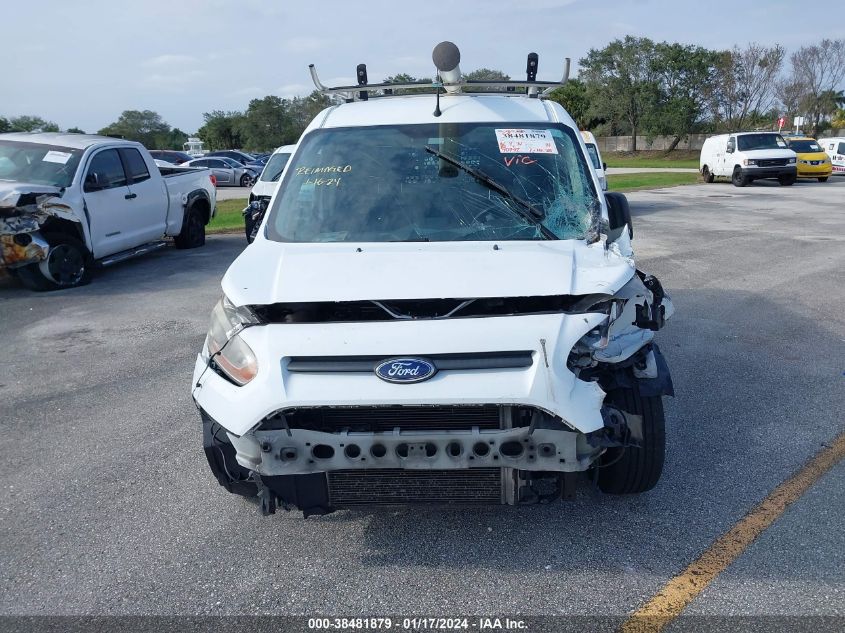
<point x="71" y="201"/>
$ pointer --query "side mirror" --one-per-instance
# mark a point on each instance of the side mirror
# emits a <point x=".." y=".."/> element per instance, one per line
<point x="604" y="166"/>
<point x="93" y="182"/>
<point x="619" y="215"/>
<point x="729" y="150"/>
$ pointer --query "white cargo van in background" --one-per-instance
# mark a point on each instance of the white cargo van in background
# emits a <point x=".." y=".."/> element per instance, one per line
<point x="835" y="148"/>
<point x="595" y="158"/>
<point x="747" y="156"/>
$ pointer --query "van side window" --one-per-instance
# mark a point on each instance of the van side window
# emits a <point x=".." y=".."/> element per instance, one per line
<point x="841" y="149"/>
<point x="731" y="144"/>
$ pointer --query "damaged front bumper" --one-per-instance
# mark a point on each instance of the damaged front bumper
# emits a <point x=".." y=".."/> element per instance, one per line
<point x="20" y="249"/>
<point x="23" y="213"/>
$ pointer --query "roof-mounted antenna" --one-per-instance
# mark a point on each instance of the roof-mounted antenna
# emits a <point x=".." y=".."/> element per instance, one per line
<point x="361" y="72"/>
<point x="531" y="73"/>
<point x="447" y="59"/>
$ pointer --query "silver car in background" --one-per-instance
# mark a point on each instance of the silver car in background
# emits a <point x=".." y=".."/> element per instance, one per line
<point x="228" y="172"/>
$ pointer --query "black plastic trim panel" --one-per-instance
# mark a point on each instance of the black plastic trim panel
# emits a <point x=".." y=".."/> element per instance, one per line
<point x="443" y="362"/>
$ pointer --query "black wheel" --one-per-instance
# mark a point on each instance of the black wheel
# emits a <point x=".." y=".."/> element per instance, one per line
<point x="738" y="179"/>
<point x="68" y="264"/>
<point x="705" y="173"/>
<point x="635" y="468"/>
<point x="787" y="181"/>
<point x="192" y="234"/>
<point x="246" y="180"/>
<point x="823" y="179"/>
<point x="220" y="455"/>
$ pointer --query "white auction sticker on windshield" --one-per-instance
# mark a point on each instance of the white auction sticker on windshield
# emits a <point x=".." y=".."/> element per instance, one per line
<point x="519" y="141"/>
<point x="56" y="157"/>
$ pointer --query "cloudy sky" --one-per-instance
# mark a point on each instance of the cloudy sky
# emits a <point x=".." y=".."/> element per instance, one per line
<point x="81" y="63"/>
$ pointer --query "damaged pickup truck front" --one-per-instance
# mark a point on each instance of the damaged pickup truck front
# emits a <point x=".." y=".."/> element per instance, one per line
<point x="69" y="202"/>
<point x="440" y="306"/>
<point x="22" y="213"/>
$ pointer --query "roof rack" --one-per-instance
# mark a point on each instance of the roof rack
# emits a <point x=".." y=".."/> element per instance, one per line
<point x="446" y="58"/>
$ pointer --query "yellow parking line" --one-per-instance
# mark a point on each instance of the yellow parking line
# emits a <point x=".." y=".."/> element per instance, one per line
<point x="668" y="603"/>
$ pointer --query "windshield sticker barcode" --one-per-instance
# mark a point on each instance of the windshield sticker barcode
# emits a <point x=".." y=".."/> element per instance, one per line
<point x="519" y="141"/>
<point x="56" y="157"/>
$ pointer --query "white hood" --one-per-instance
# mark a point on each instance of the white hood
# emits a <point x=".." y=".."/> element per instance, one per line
<point x="273" y="272"/>
<point x="758" y="154"/>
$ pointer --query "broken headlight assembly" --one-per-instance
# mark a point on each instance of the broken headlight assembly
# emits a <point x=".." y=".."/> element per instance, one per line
<point x="227" y="351"/>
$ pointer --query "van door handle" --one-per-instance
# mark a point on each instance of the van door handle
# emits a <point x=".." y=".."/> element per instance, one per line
<point x="130" y="196"/>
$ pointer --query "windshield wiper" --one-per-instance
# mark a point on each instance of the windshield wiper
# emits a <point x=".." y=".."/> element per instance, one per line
<point x="525" y="209"/>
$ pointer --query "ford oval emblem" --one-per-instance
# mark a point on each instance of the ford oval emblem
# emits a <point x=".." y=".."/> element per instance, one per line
<point x="405" y="370"/>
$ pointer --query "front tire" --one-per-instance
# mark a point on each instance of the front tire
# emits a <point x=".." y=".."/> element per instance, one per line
<point x="823" y="179"/>
<point x="738" y="179"/>
<point x="706" y="175"/>
<point x="246" y="180"/>
<point x="68" y="264"/>
<point x="635" y="469"/>
<point x="192" y="234"/>
<point x="787" y="181"/>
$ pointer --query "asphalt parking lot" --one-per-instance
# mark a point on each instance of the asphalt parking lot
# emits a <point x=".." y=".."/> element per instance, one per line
<point x="107" y="505"/>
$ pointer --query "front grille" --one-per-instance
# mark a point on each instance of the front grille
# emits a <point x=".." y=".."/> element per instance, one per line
<point x="375" y="419"/>
<point x="443" y="362"/>
<point x="398" y="487"/>
<point x="772" y="162"/>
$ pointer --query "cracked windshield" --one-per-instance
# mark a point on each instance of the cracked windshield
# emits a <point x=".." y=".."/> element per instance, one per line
<point x="437" y="182"/>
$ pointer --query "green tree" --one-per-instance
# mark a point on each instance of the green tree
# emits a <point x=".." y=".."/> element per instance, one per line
<point x="405" y="78"/>
<point x="75" y="130"/>
<point x="172" y="139"/>
<point x="222" y="130"/>
<point x="746" y="84"/>
<point x="301" y="110"/>
<point x="685" y="76"/>
<point x="621" y="82"/>
<point x="574" y="98"/>
<point x="265" y="124"/>
<point x="5" y="126"/>
<point x="822" y="68"/>
<point x="838" y="120"/>
<point x="28" y="123"/>
<point x="143" y="126"/>
<point x="485" y="74"/>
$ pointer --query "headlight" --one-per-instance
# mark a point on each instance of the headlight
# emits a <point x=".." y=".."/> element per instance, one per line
<point x="790" y="161"/>
<point x="749" y="162"/>
<point x="225" y="348"/>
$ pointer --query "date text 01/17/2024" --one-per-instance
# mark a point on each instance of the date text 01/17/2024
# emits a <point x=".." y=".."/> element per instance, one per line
<point x="416" y="624"/>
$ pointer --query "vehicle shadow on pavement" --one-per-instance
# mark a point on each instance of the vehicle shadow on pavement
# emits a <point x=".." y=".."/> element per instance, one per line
<point x="169" y="266"/>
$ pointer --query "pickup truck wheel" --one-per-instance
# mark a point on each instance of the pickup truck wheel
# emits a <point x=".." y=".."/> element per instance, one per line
<point x="68" y="264"/>
<point x="192" y="234"/>
<point x="635" y="469"/>
<point x="738" y="179"/>
<point x="787" y="181"/>
<point x="706" y="175"/>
